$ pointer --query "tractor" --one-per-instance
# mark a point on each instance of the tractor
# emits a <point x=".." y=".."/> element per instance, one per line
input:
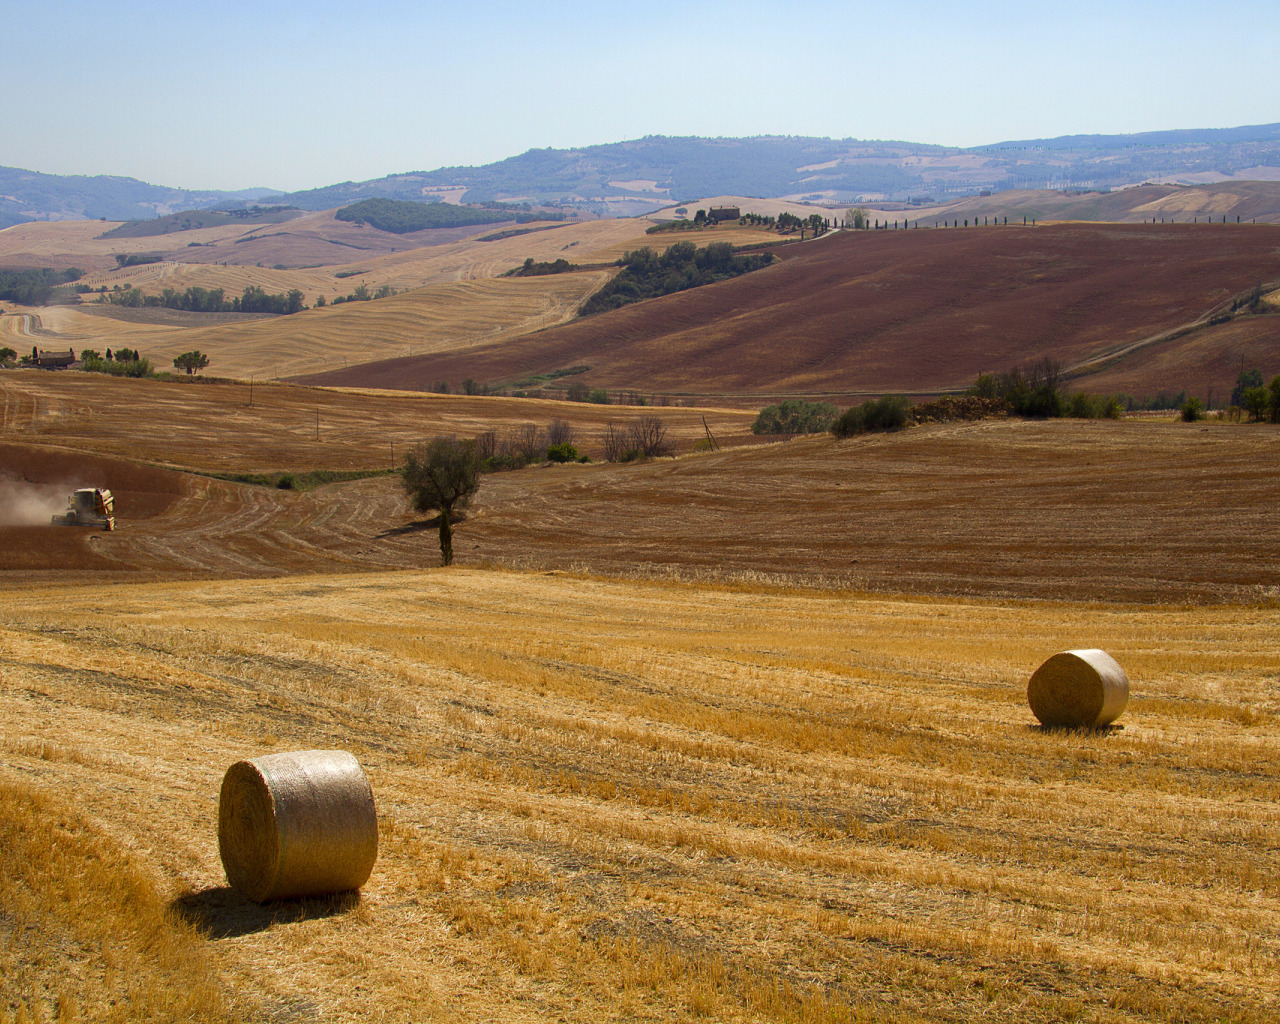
<point x="89" y="506"/>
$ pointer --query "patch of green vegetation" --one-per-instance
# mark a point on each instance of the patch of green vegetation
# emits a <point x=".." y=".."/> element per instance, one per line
<point x="794" y="416"/>
<point x="498" y="236"/>
<point x="190" y="220"/>
<point x="37" y="287"/>
<point x="399" y="216"/>
<point x="646" y="275"/>
<point x="349" y="273"/>
<point x="892" y="412"/>
<point x="300" y="481"/>
<point x="542" y="378"/>
<point x="531" y="269"/>
<point x="137" y="259"/>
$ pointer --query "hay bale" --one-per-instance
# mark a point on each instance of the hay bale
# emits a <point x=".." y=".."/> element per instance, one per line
<point x="1082" y="689"/>
<point x="297" y="824"/>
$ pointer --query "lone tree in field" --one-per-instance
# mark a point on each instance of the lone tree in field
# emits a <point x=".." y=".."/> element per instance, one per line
<point x="189" y="361"/>
<point x="440" y="475"/>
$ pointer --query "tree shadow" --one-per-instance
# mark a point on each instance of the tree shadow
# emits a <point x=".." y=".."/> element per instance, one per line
<point x="417" y="526"/>
<point x="421" y="526"/>
<point x="224" y="913"/>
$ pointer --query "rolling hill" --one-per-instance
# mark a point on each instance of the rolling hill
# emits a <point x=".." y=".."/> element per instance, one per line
<point x="916" y="311"/>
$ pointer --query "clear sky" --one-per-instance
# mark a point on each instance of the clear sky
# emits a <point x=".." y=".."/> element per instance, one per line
<point x="292" y="95"/>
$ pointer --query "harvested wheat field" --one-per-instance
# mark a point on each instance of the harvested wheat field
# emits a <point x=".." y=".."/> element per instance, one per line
<point x="238" y="426"/>
<point x="640" y="801"/>
<point x="442" y="317"/>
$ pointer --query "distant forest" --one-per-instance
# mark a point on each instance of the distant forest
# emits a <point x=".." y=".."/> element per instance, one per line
<point x="646" y="275"/>
<point x="36" y="287"/>
<point x="400" y="216"/>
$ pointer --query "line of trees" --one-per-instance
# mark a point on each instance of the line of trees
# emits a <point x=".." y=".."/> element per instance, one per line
<point x="124" y="362"/>
<point x="210" y="300"/>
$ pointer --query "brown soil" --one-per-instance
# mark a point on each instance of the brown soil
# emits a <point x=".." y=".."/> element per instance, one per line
<point x="1130" y="511"/>
<point x="914" y="311"/>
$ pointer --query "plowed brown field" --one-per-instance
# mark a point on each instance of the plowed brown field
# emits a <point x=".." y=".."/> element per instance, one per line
<point x="1134" y="511"/>
<point x="914" y="311"/>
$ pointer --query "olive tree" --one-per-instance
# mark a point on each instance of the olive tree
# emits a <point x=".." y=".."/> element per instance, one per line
<point x="438" y="476"/>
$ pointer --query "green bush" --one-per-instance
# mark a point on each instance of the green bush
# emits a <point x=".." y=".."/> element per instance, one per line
<point x="1192" y="411"/>
<point x="562" y="453"/>
<point x="794" y="416"/>
<point x="886" y="414"/>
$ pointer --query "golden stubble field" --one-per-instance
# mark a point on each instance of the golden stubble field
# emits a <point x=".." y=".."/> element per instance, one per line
<point x="453" y="296"/>
<point x="642" y="801"/>
<point x="736" y="736"/>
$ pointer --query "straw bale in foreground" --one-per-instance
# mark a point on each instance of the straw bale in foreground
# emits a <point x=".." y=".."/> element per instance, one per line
<point x="297" y="824"/>
<point x="1082" y="689"/>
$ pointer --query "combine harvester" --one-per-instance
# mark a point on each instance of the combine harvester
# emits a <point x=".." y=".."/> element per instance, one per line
<point x="89" y="506"/>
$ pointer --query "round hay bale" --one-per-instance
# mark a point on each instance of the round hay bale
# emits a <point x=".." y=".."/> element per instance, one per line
<point x="1081" y="689"/>
<point x="297" y="824"/>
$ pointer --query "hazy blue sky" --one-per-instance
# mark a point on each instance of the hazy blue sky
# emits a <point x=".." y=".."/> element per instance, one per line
<point x="294" y="95"/>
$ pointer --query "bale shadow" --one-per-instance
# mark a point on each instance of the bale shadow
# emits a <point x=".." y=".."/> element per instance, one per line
<point x="1078" y="730"/>
<point x="224" y="913"/>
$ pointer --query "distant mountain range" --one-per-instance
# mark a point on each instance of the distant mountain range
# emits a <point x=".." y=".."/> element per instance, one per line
<point x="643" y="175"/>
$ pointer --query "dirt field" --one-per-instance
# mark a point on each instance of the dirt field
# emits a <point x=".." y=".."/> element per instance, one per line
<point x="241" y="427"/>
<point x="914" y="311"/>
<point x="1084" y="510"/>
<point x="644" y="801"/>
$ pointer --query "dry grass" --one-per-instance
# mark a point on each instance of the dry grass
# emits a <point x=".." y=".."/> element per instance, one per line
<point x="83" y="933"/>
<point x="655" y="801"/>
<point x="439" y="318"/>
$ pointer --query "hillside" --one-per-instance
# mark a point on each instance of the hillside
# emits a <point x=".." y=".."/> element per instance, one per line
<point x="915" y="311"/>
<point x="453" y="294"/>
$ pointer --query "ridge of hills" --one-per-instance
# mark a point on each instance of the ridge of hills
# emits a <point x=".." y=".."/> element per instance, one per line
<point x="639" y="176"/>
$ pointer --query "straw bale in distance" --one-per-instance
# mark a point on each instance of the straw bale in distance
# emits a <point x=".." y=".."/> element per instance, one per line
<point x="1082" y="689"/>
<point x="301" y="823"/>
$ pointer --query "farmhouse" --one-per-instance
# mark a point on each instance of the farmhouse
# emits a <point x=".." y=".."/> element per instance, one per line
<point x="725" y="213"/>
<point x="54" y="360"/>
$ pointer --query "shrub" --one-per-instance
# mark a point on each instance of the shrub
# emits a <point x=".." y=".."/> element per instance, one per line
<point x="562" y="453"/>
<point x="1256" y="401"/>
<point x="1192" y="411"/>
<point x="1083" y="406"/>
<point x="888" y="413"/>
<point x="794" y="416"/>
